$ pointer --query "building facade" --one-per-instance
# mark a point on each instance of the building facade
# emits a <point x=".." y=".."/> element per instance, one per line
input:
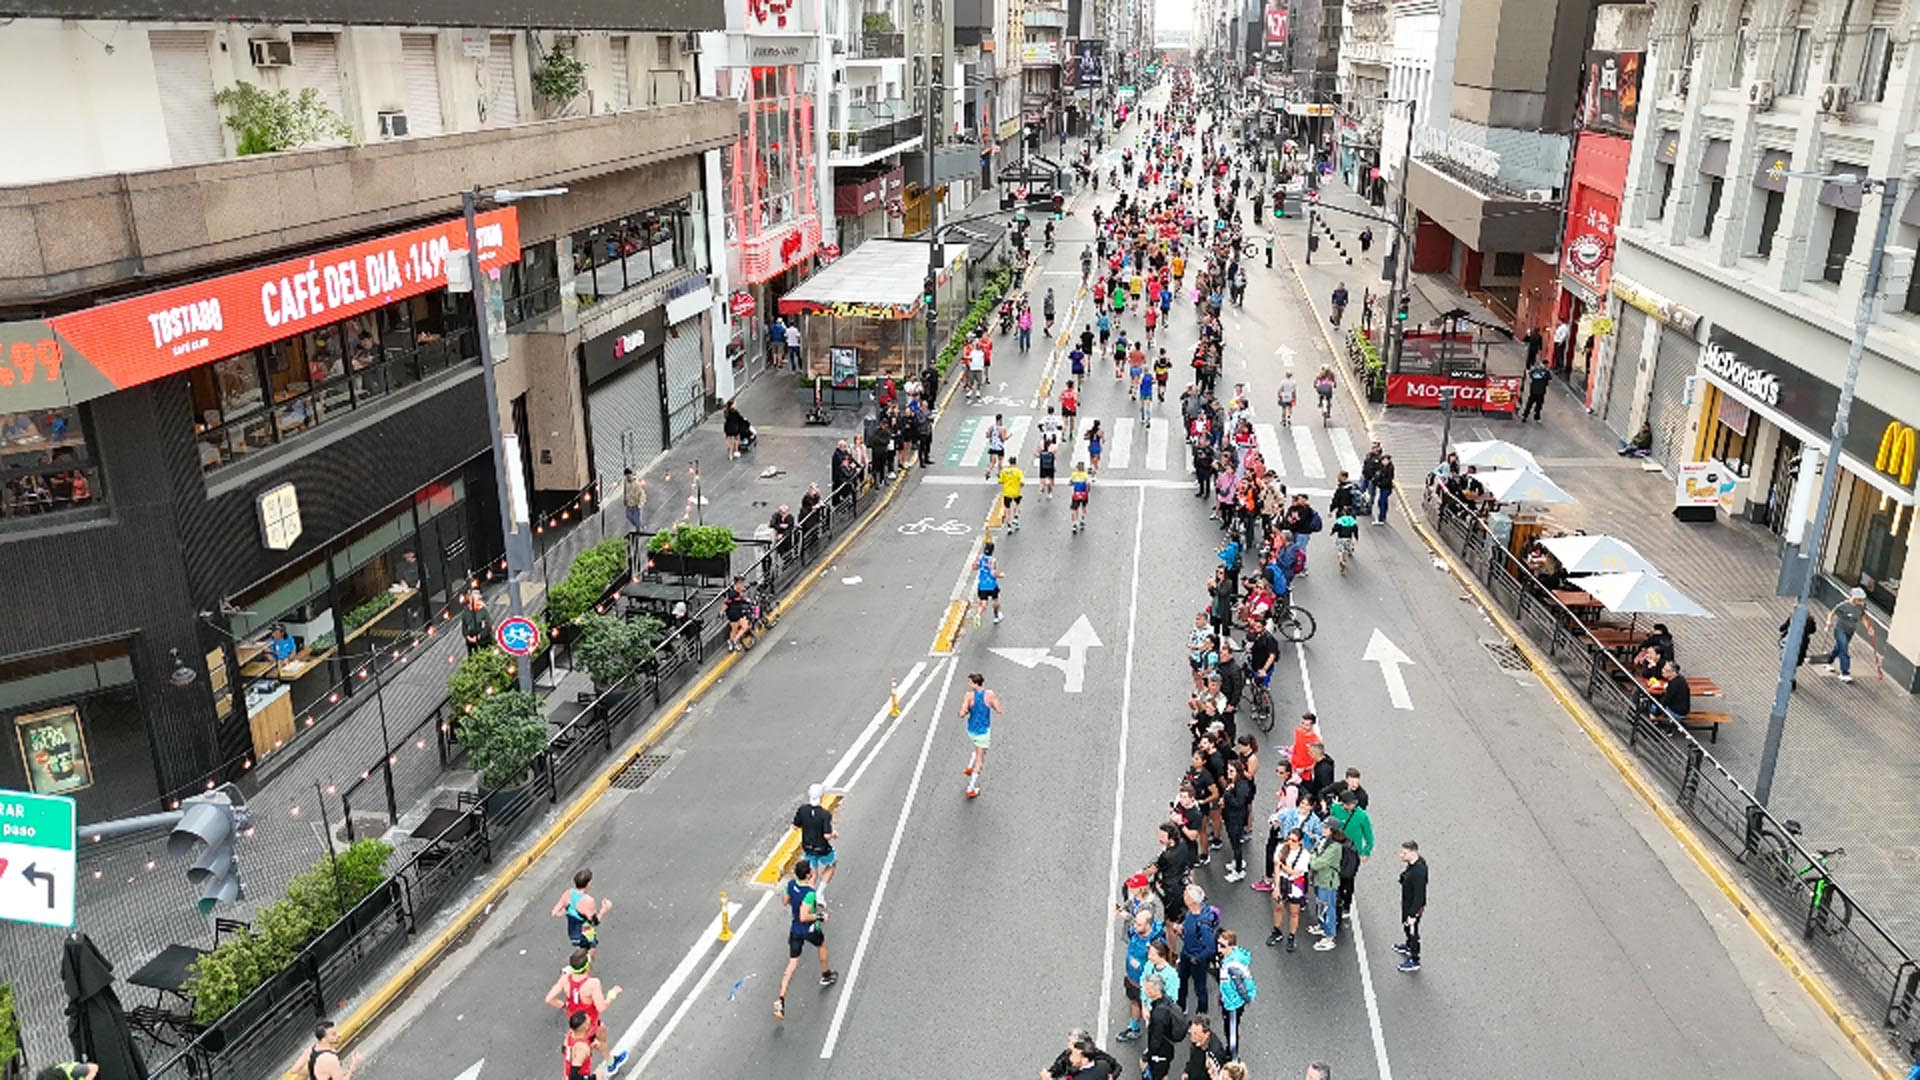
<point x="255" y="405"/>
<point x="1366" y="59"/>
<point x="1739" y="270"/>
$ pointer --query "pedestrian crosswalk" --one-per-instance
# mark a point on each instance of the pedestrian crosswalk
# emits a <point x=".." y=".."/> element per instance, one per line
<point x="1301" y="454"/>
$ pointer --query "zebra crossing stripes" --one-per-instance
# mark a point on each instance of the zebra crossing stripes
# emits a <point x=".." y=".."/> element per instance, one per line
<point x="1119" y="449"/>
<point x="1017" y="435"/>
<point x="976" y="452"/>
<point x="1309" y="454"/>
<point x="1344" y="453"/>
<point x="1157" y="446"/>
<point x="1268" y="439"/>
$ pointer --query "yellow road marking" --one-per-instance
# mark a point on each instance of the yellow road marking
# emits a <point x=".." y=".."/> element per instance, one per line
<point x="949" y="629"/>
<point x="782" y="859"/>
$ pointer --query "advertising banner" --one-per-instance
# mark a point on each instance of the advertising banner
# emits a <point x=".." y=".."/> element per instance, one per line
<point x="1069" y="63"/>
<point x="1040" y="52"/>
<point x="1613" y="91"/>
<point x="1090" y="55"/>
<point x="96" y="351"/>
<point x="1591" y="214"/>
<point x="1276" y="22"/>
<point x="1493" y="394"/>
<point x="1704" y="483"/>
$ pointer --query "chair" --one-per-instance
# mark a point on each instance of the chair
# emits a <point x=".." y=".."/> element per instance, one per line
<point x="151" y="1022"/>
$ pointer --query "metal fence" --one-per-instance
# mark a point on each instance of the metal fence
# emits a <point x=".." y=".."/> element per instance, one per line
<point x="1853" y="947"/>
<point x="266" y="1029"/>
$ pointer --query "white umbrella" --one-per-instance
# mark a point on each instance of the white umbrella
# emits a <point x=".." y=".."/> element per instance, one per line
<point x="1522" y="486"/>
<point x="1495" y="454"/>
<point x="1638" y="593"/>
<point x="1596" y="555"/>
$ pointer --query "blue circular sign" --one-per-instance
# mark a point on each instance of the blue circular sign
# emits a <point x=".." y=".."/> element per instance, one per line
<point x="517" y="636"/>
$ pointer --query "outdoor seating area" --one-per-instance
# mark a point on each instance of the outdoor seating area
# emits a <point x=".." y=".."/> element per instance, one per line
<point x="168" y="1019"/>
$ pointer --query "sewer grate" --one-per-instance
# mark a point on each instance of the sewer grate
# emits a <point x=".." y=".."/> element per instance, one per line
<point x="1506" y="654"/>
<point x="639" y="771"/>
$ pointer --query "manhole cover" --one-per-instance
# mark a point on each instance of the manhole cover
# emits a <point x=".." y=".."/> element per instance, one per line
<point x="639" y="771"/>
<point x="1506" y="654"/>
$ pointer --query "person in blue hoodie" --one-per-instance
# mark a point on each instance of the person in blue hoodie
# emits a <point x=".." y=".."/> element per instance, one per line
<point x="1141" y="932"/>
<point x="1237" y="988"/>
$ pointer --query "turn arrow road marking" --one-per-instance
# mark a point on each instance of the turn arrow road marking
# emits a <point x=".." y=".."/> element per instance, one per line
<point x="1077" y="640"/>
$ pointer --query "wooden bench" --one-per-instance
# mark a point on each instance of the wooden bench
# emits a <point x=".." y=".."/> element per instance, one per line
<point x="1708" y="720"/>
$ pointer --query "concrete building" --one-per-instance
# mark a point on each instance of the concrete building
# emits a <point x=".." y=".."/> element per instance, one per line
<point x="254" y="401"/>
<point x="1366" y="57"/>
<point x="1738" y="273"/>
<point x="1042" y="103"/>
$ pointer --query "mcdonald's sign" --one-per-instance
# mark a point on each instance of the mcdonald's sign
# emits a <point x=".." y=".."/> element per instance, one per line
<point x="1895" y="457"/>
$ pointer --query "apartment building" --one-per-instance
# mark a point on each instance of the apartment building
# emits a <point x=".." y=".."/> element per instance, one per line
<point x="1740" y="266"/>
<point x="249" y="398"/>
<point x="1366" y="57"/>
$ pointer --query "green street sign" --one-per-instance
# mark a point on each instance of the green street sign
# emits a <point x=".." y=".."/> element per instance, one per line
<point x="36" y="858"/>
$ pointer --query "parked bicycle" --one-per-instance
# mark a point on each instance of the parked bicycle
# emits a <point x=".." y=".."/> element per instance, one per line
<point x="1828" y="909"/>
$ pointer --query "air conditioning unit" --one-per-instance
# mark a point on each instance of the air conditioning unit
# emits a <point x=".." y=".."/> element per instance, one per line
<point x="393" y="124"/>
<point x="690" y="42"/>
<point x="1539" y="194"/>
<point x="1760" y="93"/>
<point x="839" y="46"/>
<point x="270" y="52"/>
<point x="1835" y="97"/>
<point x="1678" y="82"/>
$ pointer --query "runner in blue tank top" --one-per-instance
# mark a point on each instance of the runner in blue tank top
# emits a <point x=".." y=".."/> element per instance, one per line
<point x="988" y="586"/>
<point x="978" y="709"/>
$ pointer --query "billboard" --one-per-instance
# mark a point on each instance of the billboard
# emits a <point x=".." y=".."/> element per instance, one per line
<point x="1040" y="52"/>
<point x="1613" y="91"/>
<point x="1089" y="62"/>
<point x="1276" y="22"/>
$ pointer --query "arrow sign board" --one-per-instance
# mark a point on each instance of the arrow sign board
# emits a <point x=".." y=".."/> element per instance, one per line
<point x="1382" y="651"/>
<point x="36" y="858"/>
<point x="1077" y="640"/>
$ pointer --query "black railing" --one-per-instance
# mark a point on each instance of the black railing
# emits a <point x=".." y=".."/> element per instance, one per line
<point x="1855" y="950"/>
<point x="265" y="1030"/>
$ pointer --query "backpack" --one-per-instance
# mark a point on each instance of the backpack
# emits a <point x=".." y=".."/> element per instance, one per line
<point x="1349" y="861"/>
<point x="1299" y="562"/>
<point x="1314" y="524"/>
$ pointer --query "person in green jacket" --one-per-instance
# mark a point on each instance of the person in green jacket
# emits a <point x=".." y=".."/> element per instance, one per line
<point x="1323" y="873"/>
<point x="1352" y="819"/>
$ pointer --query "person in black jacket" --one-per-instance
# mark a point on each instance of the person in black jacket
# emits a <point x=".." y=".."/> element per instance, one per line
<point x="1081" y="1060"/>
<point x="1382" y="488"/>
<point x="1166" y="1026"/>
<point x="1321" y="783"/>
<point x="736" y="428"/>
<point x="1204" y="1052"/>
<point x="1413" y="904"/>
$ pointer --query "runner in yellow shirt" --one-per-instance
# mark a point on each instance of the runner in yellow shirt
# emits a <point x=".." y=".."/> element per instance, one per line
<point x="1012" y="481"/>
<point x="1180" y="268"/>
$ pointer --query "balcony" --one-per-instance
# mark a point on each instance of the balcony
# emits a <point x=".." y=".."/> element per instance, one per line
<point x="106" y="229"/>
<point x="873" y="131"/>
<point x="877" y="46"/>
<point x="1045" y="18"/>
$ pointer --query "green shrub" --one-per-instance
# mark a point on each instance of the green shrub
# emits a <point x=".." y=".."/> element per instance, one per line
<point x="483" y="673"/>
<point x="997" y="285"/>
<point x="9" y="1026"/>
<point x="503" y="734"/>
<point x="366" y="611"/>
<point x="694" y="541"/>
<point x="610" y="647"/>
<point x="315" y="899"/>
<point x="592" y="571"/>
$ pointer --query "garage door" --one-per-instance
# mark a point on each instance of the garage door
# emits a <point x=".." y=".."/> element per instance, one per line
<point x="184" y="77"/>
<point x="686" y="380"/>
<point x="422" y="74"/>
<point x="1667" y="406"/>
<point x="625" y="421"/>
<point x="1630" y="335"/>
<point x="503" y="93"/>
<point x="316" y="64"/>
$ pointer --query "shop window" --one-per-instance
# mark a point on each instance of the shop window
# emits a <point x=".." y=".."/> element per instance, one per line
<point x="1873" y="543"/>
<point x="1663" y="191"/>
<point x="74" y="727"/>
<point x="1839" y="243"/>
<point x="1769" y="222"/>
<point x="47" y="463"/>
<point x="623" y="254"/>
<point x="533" y="284"/>
<point x="1729" y="445"/>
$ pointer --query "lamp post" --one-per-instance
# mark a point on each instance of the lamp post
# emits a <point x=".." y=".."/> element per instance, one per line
<point x="1797" y="628"/>
<point x="515" y="527"/>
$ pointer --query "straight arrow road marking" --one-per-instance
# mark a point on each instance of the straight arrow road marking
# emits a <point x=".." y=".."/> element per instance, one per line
<point x="1382" y="651"/>
<point x="473" y="1071"/>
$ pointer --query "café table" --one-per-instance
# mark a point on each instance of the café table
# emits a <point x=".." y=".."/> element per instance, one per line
<point x="1699" y="685"/>
<point x="445" y="824"/>
<point x="167" y="970"/>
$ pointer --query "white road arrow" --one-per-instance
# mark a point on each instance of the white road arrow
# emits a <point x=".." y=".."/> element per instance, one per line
<point x="472" y="1073"/>
<point x="1285" y="353"/>
<point x="952" y="495"/>
<point x="1077" y="640"/>
<point x="1382" y="651"/>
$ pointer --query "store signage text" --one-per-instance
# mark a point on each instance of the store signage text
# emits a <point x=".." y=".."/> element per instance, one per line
<point x="1760" y="383"/>
<point x="1683" y="319"/>
<point x="1492" y="394"/>
<point x="844" y="309"/>
<point x="627" y="343"/>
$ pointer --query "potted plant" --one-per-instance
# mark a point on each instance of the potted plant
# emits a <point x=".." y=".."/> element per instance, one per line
<point x="269" y="121"/>
<point x="877" y="22"/>
<point x="480" y="675"/>
<point x="612" y="648"/>
<point x="503" y="734"/>
<point x="692" y="550"/>
<point x="593" y="573"/>
<point x="559" y="79"/>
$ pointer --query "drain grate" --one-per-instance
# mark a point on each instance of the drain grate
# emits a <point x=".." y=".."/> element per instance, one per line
<point x="639" y="771"/>
<point x="1506" y="654"/>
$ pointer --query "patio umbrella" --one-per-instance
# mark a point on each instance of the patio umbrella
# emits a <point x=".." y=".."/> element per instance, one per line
<point x="1522" y="486"/>
<point x="1495" y="454"/>
<point x="1596" y="555"/>
<point x="1639" y="593"/>
<point x="96" y="1023"/>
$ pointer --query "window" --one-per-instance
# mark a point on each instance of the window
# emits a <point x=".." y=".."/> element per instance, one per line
<point x="1871" y="545"/>
<point x="1876" y="64"/>
<point x="46" y="463"/>
<point x="1840" y="243"/>
<point x="663" y="50"/>
<point x="1663" y="190"/>
<point x="533" y="284"/>
<point x="1769" y="223"/>
<point x="1715" y="186"/>
<point x="619" y="255"/>
<point x="1509" y="264"/>
<point x="1742" y="38"/>
<point x="1802" y="61"/>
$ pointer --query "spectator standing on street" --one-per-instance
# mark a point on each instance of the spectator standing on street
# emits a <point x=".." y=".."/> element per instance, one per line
<point x="1382" y="488"/>
<point x="1323" y="873"/>
<point x="1845" y="621"/>
<point x="793" y="346"/>
<point x="1560" y="335"/>
<point x="1354" y="821"/>
<point x="633" y="494"/>
<point x="1199" y="938"/>
<point x="1413" y="904"/>
<point x="1237" y="989"/>
<point x="1538" y="379"/>
<point x="1339" y="302"/>
<point x="1166" y="1026"/>
<point x="1366" y="239"/>
<point x="1205" y="1053"/>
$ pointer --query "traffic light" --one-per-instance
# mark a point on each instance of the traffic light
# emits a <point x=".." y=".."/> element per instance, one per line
<point x="929" y="291"/>
<point x="1401" y="314"/>
<point x="211" y="822"/>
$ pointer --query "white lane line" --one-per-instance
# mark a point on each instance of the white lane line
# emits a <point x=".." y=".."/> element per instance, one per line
<point x="879" y="718"/>
<point x="675" y="980"/>
<point x="1017" y="435"/>
<point x="1344" y="453"/>
<point x="1269" y="439"/>
<point x="976" y="451"/>
<point x="1119" y="448"/>
<point x="886" y="869"/>
<point x="1120" y="775"/>
<point x="1306" y="680"/>
<point x="706" y="977"/>
<point x="906" y="708"/>
<point x="1309" y="453"/>
<point x="1157" y="446"/>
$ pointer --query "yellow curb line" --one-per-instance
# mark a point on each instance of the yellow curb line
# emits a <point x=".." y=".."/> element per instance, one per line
<point x="1760" y="921"/>
<point x="949" y="628"/>
<point x="383" y="999"/>
<point x="782" y="859"/>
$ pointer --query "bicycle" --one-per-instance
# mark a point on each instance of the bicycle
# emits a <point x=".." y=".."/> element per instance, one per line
<point x="951" y="527"/>
<point x="762" y="618"/>
<point x="1293" y="622"/>
<point x="1261" y="702"/>
<point x="1828" y="909"/>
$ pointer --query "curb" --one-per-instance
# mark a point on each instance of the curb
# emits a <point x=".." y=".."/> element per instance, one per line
<point x="1759" y="920"/>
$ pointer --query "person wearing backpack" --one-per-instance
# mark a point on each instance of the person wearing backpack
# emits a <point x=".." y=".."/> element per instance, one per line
<point x="1166" y="1027"/>
<point x="1323" y="873"/>
<point x="1237" y="988"/>
<point x="1301" y="519"/>
<point x="1199" y="944"/>
<point x="1353" y="820"/>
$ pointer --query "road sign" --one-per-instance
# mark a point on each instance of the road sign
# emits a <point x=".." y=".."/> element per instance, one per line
<point x="1077" y="640"/>
<point x="36" y="858"/>
<point x="517" y="636"/>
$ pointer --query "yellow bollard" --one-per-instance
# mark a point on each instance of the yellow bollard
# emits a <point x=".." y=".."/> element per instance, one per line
<point x="893" y="698"/>
<point x="726" y="923"/>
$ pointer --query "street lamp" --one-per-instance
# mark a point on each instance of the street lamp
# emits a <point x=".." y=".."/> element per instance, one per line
<point x="509" y="487"/>
<point x="1888" y="190"/>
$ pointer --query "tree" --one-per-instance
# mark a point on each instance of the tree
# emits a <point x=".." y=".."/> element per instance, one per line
<point x="269" y="121"/>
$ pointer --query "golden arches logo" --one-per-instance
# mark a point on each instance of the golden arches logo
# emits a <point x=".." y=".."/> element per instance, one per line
<point x="1896" y="452"/>
<point x="1657" y="601"/>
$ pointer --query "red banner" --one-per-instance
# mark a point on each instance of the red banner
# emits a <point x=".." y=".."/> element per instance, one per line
<point x="98" y="350"/>
<point x="1497" y="394"/>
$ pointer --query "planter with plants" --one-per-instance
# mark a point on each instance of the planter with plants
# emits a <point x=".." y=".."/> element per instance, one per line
<point x="559" y="79"/>
<point x="877" y="22"/>
<point x="503" y="735"/>
<point x="704" y="551"/>
<point x="480" y="675"/>
<point x="269" y="121"/>
<point x="593" y="576"/>
<point x="997" y="284"/>
<point x="611" y="648"/>
<point x="1367" y="363"/>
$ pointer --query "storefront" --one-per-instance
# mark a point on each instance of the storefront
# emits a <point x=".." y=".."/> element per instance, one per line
<point x="865" y="317"/>
<point x="1646" y="366"/>
<point x="625" y="376"/>
<point x="1586" y="255"/>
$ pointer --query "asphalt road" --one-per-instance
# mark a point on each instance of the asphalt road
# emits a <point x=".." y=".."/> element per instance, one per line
<point x="1567" y="934"/>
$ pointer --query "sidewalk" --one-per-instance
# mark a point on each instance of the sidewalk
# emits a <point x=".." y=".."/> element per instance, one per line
<point x="135" y="899"/>
<point x="1849" y="752"/>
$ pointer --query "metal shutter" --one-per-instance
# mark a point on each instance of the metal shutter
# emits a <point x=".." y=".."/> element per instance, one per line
<point x="1630" y="335"/>
<point x="666" y="87"/>
<point x="1887" y="12"/>
<point x="503" y="93"/>
<point x="625" y="421"/>
<point x="421" y="71"/>
<point x="622" y="86"/>
<point x="686" y="380"/>
<point x="316" y="64"/>
<point x="1666" y="405"/>
<point x="184" y="77"/>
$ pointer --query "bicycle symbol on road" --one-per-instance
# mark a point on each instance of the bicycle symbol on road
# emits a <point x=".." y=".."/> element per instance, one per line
<point x="1011" y="403"/>
<point x="951" y="527"/>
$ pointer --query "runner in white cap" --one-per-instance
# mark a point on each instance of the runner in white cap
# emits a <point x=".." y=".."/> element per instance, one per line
<point x="815" y="823"/>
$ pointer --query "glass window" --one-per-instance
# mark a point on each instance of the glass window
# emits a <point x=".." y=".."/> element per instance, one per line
<point x="46" y="463"/>
<point x="1714" y="188"/>
<point x="1876" y="64"/>
<point x="1770" y="222"/>
<point x="1873" y="543"/>
<point x="1839" y="243"/>
<point x="1663" y="187"/>
<point x="1802" y="62"/>
<point x="533" y="284"/>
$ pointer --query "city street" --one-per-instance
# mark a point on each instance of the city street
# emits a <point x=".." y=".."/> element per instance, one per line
<point x="1568" y="933"/>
